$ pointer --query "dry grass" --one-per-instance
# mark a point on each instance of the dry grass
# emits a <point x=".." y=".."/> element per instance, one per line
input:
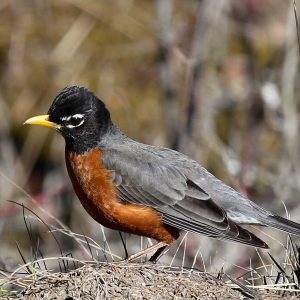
<point x="66" y="277"/>
<point x="135" y="281"/>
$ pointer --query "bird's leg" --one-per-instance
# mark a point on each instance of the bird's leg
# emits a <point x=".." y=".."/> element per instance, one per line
<point x="159" y="247"/>
<point x="158" y="254"/>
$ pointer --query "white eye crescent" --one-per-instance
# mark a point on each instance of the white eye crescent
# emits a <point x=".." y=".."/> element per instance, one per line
<point x="73" y="121"/>
<point x="77" y="116"/>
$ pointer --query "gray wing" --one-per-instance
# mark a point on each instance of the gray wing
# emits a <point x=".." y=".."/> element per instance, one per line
<point x="148" y="179"/>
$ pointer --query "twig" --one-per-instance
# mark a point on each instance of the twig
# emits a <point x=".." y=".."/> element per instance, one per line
<point x="297" y="24"/>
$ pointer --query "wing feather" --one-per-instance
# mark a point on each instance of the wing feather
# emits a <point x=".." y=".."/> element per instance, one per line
<point x="151" y="181"/>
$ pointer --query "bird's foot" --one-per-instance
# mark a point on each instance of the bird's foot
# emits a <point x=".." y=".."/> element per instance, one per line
<point x="159" y="247"/>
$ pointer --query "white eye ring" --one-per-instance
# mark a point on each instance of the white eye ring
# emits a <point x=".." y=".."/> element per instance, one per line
<point x="78" y="116"/>
<point x="74" y="117"/>
<point x="72" y="126"/>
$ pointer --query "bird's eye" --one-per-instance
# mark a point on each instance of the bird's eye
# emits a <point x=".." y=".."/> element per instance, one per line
<point x="75" y="121"/>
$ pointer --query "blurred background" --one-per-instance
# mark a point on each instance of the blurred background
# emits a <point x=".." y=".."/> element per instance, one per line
<point x="217" y="80"/>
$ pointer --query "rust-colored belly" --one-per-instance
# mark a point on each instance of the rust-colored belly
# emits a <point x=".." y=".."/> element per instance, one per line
<point x="98" y="195"/>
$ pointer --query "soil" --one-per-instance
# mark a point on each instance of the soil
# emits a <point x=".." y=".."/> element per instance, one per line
<point x="134" y="281"/>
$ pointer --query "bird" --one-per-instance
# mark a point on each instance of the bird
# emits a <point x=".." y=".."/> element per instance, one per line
<point x="143" y="189"/>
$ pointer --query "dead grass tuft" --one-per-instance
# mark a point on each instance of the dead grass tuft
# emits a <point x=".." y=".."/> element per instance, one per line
<point x="132" y="281"/>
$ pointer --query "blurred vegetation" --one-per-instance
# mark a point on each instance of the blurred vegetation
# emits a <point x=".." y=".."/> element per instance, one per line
<point x="217" y="80"/>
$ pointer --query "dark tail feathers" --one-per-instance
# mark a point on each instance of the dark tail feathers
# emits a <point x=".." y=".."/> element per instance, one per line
<point x="283" y="224"/>
<point x="242" y="235"/>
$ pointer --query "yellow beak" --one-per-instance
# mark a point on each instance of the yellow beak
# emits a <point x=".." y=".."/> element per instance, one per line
<point x="42" y="120"/>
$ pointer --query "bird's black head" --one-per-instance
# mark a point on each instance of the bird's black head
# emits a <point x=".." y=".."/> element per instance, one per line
<point x="80" y="117"/>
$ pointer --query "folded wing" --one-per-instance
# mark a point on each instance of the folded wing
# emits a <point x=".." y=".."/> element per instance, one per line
<point x="149" y="181"/>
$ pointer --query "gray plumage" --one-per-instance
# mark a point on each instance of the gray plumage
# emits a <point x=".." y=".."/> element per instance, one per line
<point x="188" y="196"/>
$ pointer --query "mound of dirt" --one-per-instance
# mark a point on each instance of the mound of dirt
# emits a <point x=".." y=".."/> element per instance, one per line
<point x="130" y="281"/>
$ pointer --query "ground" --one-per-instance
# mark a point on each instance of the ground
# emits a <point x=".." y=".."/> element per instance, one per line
<point x="133" y="281"/>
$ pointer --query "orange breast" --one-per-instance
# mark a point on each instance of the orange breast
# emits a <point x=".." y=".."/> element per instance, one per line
<point x="98" y="195"/>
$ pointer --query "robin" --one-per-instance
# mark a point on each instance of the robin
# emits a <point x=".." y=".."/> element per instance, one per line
<point x="143" y="189"/>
